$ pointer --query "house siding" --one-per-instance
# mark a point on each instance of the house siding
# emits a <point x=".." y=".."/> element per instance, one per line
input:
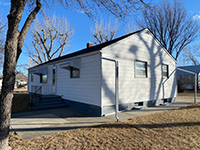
<point x="142" y="47"/>
<point x="85" y="89"/>
<point x="36" y="84"/>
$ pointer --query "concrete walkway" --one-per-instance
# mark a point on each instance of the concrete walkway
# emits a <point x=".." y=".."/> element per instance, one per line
<point x="30" y="125"/>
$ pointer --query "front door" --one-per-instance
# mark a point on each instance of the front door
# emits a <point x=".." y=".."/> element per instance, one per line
<point x="53" y="90"/>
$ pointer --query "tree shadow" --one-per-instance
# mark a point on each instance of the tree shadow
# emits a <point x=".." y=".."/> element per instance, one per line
<point x="153" y="95"/>
<point x="149" y="126"/>
<point x="157" y="88"/>
<point x="149" y="89"/>
<point x="156" y="80"/>
<point x="109" y="88"/>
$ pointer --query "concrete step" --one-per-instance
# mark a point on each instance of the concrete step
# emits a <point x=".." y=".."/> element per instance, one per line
<point x="48" y="107"/>
<point x="43" y="103"/>
<point x="49" y="97"/>
<point x="49" y="102"/>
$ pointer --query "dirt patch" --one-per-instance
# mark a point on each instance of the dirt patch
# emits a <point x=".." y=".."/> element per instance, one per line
<point x="21" y="101"/>
<point x="21" y="90"/>
<point x="174" y="129"/>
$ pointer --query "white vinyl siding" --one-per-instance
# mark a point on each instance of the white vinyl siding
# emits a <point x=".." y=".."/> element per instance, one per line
<point x="86" y="88"/>
<point x="43" y="82"/>
<point x="143" y="47"/>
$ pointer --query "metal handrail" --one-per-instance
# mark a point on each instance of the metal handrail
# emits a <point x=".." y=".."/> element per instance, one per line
<point x="38" y="90"/>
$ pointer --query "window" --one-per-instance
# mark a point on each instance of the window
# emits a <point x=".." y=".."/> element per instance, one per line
<point x="43" y="78"/>
<point x="165" y="71"/>
<point x="31" y="77"/>
<point x="140" y="69"/>
<point x="74" y="72"/>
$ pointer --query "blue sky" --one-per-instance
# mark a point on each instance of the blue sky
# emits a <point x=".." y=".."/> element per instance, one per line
<point x="82" y="23"/>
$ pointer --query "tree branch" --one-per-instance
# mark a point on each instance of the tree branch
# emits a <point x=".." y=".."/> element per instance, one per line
<point x="26" y="27"/>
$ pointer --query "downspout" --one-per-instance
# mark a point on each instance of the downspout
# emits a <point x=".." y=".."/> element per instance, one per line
<point x="195" y="82"/>
<point x="116" y="87"/>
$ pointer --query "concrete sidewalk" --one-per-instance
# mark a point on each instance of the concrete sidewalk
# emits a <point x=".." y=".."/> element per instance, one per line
<point x="30" y="125"/>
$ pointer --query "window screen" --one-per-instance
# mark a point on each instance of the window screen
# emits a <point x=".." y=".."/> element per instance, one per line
<point x="165" y="71"/>
<point x="75" y="73"/>
<point x="43" y="78"/>
<point x="140" y="69"/>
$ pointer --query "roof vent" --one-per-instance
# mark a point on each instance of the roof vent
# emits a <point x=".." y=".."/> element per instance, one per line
<point x="148" y="32"/>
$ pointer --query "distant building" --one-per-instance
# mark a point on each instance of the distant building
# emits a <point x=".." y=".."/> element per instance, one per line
<point x="21" y="80"/>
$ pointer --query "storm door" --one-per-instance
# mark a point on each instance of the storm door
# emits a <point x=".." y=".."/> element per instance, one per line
<point x="53" y="90"/>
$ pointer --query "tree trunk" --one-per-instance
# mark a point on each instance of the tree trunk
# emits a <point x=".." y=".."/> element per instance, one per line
<point x="13" y="46"/>
<point x="7" y="91"/>
<point x="8" y="77"/>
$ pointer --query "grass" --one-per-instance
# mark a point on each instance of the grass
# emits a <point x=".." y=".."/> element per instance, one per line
<point x="174" y="129"/>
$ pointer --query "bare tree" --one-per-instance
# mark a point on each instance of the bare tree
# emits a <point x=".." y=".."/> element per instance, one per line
<point x="15" y="40"/>
<point x="172" y="25"/>
<point x="2" y="40"/>
<point x="184" y="82"/>
<point x="50" y="37"/>
<point x="191" y="55"/>
<point x="103" y="31"/>
<point x="131" y="27"/>
<point x="13" y="48"/>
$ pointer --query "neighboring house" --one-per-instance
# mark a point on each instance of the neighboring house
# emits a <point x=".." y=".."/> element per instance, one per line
<point x="86" y="80"/>
<point x="188" y="78"/>
<point x="21" y="80"/>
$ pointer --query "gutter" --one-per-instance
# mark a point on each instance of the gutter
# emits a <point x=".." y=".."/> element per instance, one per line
<point x="116" y="87"/>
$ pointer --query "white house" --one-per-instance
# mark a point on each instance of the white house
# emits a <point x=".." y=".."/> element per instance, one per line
<point x="86" y="78"/>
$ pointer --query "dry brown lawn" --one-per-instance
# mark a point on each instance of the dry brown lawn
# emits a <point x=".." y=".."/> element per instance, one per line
<point x="21" y="100"/>
<point x="174" y="129"/>
<point x="188" y="94"/>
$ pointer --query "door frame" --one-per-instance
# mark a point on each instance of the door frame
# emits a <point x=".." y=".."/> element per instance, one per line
<point x="54" y="89"/>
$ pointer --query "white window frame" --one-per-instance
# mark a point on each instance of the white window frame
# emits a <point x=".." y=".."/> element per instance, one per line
<point x="167" y="71"/>
<point x="32" y="79"/>
<point x="42" y="78"/>
<point x="141" y="69"/>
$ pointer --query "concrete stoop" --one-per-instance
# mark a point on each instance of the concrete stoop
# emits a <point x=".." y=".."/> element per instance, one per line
<point x="49" y="102"/>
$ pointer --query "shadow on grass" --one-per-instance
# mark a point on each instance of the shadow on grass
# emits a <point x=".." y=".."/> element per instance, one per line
<point x="21" y="102"/>
<point x="114" y="125"/>
<point x="149" y="126"/>
<point x="45" y="129"/>
<point x="190" y="107"/>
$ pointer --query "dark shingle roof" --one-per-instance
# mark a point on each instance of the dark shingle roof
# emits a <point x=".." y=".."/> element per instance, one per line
<point x="90" y="49"/>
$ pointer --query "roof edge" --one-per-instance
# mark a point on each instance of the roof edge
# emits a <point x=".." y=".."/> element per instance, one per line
<point x="88" y="50"/>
